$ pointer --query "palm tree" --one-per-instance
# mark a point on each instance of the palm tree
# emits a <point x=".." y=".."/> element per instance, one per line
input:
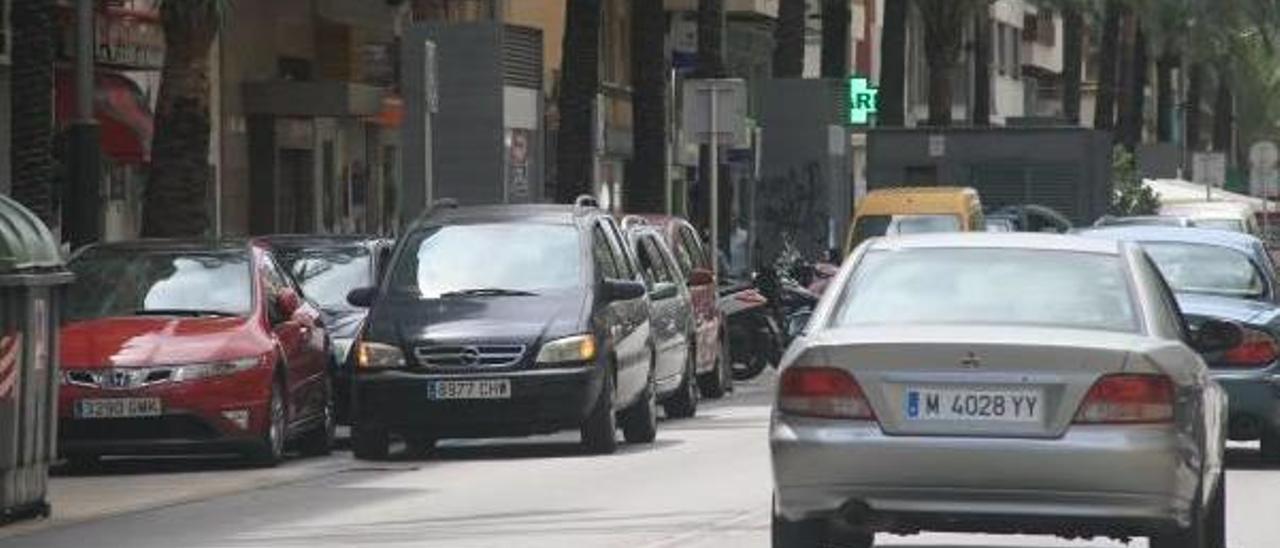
<point x="1104" y="113"/>
<point x="175" y="201"/>
<point x="31" y="107"/>
<point x="710" y="65"/>
<point x="1133" y="81"/>
<point x="835" y="38"/>
<point x="981" y="68"/>
<point x="788" y="37"/>
<point x="943" y="44"/>
<point x="646" y="178"/>
<point x="579" y="84"/>
<point x="1072" y="58"/>
<point x="893" y="70"/>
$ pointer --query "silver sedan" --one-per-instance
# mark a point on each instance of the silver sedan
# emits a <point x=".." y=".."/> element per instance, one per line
<point x="999" y="383"/>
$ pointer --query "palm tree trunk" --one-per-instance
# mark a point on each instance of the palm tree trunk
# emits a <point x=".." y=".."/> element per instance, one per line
<point x="31" y="107"/>
<point x="1195" y="91"/>
<point x="710" y="65"/>
<point x="835" y="38"/>
<point x="646" y="178"/>
<point x="893" y="70"/>
<point x="942" y="37"/>
<point x="1223" y="117"/>
<point x="1072" y="51"/>
<point x="175" y="201"/>
<point x="579" y="84"/>
<point x="788" y="37"/>
<point x="1164" y="95"/>
<point x="1108" y="64"/>
<point x="981" y="68"/>
<point x="1135" y="82"/>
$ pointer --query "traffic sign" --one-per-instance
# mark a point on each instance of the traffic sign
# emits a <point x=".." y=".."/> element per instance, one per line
<point x="864" y="100"/>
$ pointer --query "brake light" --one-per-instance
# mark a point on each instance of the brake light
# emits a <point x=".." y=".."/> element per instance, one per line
<point x="1128" y="399"/>
<point x="1256" y="349"/>
<point x="824" y="392"/>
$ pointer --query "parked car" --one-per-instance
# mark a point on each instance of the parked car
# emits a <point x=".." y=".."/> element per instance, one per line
<point x="1000" y="383"/>
<point x="176" y="346"/>
<point x="672" y="320"/>
<point x="506" y="321"/>
<point x="1029" y="218"/>
<point x="715" y="379"/>
<point x="1227" y="275"/>
<point x="1144" y="220"/>
<point x="327" y="268"/>
<point x="1217" y="215"/>
<point x="914" y="210"/>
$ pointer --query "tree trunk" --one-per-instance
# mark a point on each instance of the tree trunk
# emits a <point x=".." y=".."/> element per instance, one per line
<point x="981" y="68"/>
<point x="835" y="38"/>
<point x="893" y="70"/>
<point x="1108" y="64"/>
<point x="1223" y="117"/>
<point x="1165" y="101"/>
<point x="31" y="107"/>
<point x="646" y="179"/>
<point x="1135" y="82"/>
<point x="176" y="198"/>
<point x="1072" y="51"/>
<point x="1195" y="91"/>
<point x="788" y="37"/>
<point x="579" y="84"/>
<point x="710" y="65"/>
<point x="942" y="44"/>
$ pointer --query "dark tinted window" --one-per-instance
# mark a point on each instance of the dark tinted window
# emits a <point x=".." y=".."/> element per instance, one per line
<point x="694" y="247"/>
<point x="602" y="253"/>
<point x="652" y="264"/>
<point x="130" y="282"/>
<point x="528" y="257"/>
<point x="621" y="254"/>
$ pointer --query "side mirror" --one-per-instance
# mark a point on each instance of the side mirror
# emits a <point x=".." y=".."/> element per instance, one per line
<point x="663" y="290"/>
<point x="701" y="276"/>
<point x="622" y="290"/>
<point x="288" y="302"/>
<point x="362" y="297"/>
<point x="1216" y="336"/>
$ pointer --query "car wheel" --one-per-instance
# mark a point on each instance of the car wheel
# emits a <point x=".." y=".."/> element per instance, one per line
<point x="683" y="404"/>
<point x="270" y="450"/>
<point x="419" y="445"/>
<point x="1270" y="446"/>
<point x="1194" y="536"/>
<point x="718" y="382"/>
<point x="370" y="443"/>
<point x="640" y="421"/>
<point x="600" y="430"/>
<point x="319" y="441"/>
<point x="810" y="533"/>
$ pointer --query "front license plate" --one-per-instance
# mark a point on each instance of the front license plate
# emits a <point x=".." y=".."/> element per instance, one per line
<point x="484" y="389"/>
<point x="116" y="408"/>
<point x="975" y="404"/>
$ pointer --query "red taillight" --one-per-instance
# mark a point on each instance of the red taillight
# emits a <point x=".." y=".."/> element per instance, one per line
<point x="1256" y="349"/>
<point x="1117" y="399"/>
<point x="822" y="392"/>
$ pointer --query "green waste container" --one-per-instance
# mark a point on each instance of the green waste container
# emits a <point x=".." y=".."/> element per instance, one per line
<point x="33" y="278"/>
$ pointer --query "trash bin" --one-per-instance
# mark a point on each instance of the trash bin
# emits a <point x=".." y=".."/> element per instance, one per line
<point x="33" y="279"/>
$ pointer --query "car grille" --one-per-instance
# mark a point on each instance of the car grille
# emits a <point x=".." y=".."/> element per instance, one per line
<point x="486" y="355"/>
<point x="119" y="379"/>
<point x="181" y="427"/>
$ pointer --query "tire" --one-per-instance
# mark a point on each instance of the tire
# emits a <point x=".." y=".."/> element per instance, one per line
<point x="370" y="443"/>
<point x="269" y="451"/>
<point x="419" y="446"/>
<point x="640" y="421"/>
<point x="683" y="404"/>
<point x="1270" y="446"/>
<point x="319" y="441"/>
<point x="750" y="370"/>
<point x="719" y="381"/>
<point x="798" y="534"/>
<point x="600" y="430"/>
<point x="1198" y="535"/>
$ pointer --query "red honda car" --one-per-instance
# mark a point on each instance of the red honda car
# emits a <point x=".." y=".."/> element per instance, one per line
<point x="185" y="347"/>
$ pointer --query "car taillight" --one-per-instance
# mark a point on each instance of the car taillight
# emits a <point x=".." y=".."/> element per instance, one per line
<point x="824" y="392"/>
<point x="1128" y="399"/>
<point x="1256" y="349"/>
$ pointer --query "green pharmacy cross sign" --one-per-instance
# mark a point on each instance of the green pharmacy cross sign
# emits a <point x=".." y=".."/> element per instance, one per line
<point x="863" y="100"/>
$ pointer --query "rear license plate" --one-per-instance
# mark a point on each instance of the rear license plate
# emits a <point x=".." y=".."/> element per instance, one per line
<point x="975" y="404"/>
<point x="483" y="389"/>
<point x="116" y="408"/>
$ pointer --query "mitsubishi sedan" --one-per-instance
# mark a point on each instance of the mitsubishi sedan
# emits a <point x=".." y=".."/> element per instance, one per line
<point x="1000" y="383"/>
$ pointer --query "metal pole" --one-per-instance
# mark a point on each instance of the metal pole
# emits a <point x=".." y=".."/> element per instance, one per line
<point x="84" y="61"/>
<point x="82" y="207"/>
<point x="715" y="182"/>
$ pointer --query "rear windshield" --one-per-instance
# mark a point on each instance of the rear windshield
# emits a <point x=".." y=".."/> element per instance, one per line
<point x="887" y="225"/>
<point x="988" y="286"/>
<point x="113" y="283"/>
<point x="1229" y="225"/>
<point x="327" y="274"/>
<point x="513" y="257"/>
<point x="1207" y="269"/>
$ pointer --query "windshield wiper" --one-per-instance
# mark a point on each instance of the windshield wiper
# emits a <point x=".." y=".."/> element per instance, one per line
<point x="194" y="313"/>
<point x="488" y="292"/>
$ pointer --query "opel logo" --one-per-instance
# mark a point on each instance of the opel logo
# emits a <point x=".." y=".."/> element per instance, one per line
<point x="971" y="361"/>
<point x="469" y="356"/>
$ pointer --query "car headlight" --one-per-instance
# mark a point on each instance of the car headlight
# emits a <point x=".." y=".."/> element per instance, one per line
<point x="197" y="371"/>
<point x="372" y="355"/>
<point x="578" y="348"/>
<point x="341" y="350"/>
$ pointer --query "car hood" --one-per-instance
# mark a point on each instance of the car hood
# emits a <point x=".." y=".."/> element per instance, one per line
<point x="1248" y="311"/>
<point x="456" y="320"/>
<point x="149" y="341"/>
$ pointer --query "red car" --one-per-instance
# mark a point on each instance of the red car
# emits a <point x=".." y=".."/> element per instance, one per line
<point x="715" y="378"/>
<point x="184" y="347"/>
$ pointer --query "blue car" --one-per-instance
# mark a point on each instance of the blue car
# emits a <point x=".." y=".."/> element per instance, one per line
<point x="1226" y="275"/>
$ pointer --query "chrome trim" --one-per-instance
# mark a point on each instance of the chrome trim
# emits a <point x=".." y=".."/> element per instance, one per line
<point x="119" y="378"/>
<point x="467" y="356"/>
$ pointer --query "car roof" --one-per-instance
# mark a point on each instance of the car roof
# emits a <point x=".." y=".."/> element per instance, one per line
<point x="1208" y="209"/>
<point x="319" y="240"/>
<point x="1001" y="240"/>
<point x="533" y="213"/>
<point x="1222" y="238"/>
<point x="192" y="244"/>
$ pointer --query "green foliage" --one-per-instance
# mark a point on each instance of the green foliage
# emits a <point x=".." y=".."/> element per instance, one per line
<point x="1128" y="195"/>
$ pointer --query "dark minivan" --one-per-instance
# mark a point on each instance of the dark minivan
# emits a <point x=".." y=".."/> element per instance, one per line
<point x="505" y="321"/>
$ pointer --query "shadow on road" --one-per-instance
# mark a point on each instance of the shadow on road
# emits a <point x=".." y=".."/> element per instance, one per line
<point x="500" y="450"/>
<point x="167" y="464"/>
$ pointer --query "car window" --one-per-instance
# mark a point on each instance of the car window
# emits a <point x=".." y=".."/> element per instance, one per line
<point x="1207" y="269"/>
<point x="1168" y="311"/>
<point x="603" y="254"/>
<point x="327" y="274"/>
<point x="115" y="282"/>
<point x="621" y="254"/>
<point x="693" y="246"/>
<point x="274" y="283"/>
<point x="454" y="260"/>
<point x="663" y="253"/>
<point x="652" y="266"/>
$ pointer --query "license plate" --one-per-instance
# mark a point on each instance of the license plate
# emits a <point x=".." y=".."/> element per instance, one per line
<point x="118" y="408"/>
<point x="975" y="404"/>
<point x="484" y="389"/>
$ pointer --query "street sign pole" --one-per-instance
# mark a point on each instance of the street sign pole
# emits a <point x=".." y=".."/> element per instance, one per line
<point x="715" y="184"/>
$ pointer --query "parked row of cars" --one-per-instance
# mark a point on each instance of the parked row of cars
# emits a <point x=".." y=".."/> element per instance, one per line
<point x="479" y="322"/>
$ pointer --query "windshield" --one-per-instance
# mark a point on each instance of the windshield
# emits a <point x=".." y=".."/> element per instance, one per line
<point x="112" y="283"/>
<point x="988" y="286"/>
<point x="1213" y="270"/>
<point x="887" y="225"/>
<point x="488" y="259"/>
<point x="327" y="274"/>
<point x="1229" y="225"/>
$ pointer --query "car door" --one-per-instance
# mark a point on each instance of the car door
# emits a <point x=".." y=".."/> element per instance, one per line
<point x="669" y="340"/>
<point x="690" y="255"/>
<point x="685" y="320"/>
<point x="629" y="321"/>
<point x="301" y="344"/>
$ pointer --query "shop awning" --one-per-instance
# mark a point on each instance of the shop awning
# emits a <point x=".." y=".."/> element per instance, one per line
<point x="124" y="118"/>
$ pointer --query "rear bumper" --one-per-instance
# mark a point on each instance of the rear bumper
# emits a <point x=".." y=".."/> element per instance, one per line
<point x="1253" y="400"/>
<point x="1095" y="480"/>
<point x="542" y="402"/>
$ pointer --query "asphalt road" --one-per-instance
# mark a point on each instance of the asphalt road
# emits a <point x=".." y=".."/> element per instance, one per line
<point x="703" y="484"/>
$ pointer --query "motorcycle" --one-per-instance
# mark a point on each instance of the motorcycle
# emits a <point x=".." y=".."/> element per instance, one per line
<point x="755" y="337"/>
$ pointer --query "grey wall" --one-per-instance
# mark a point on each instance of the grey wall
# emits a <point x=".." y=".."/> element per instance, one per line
<point x="468" y="130"/>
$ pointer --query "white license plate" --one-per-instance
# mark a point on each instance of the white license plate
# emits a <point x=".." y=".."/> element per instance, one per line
<point x="975" y="404"/>
<point x="483" y="389"/>
<point x="116" y="408"/>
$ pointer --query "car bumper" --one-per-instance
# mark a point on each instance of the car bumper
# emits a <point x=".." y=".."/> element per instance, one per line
<point x="1092" y="479"/>
<point x="542" y="402"/>
<point x="1253" y="400"/>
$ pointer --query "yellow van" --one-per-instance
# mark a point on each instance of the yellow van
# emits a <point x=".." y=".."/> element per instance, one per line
<point x="914" y="210"/>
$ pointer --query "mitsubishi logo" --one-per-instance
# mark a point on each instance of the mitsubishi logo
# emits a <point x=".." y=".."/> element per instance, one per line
<point x="469" y="356"/>
<point x="971" y="361"/>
